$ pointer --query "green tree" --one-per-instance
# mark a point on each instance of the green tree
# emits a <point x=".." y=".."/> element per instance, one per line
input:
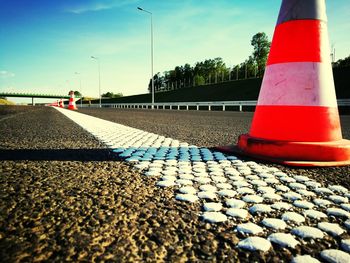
<point x="211" y="70"/>
<point x="248" y="68"/>
<point x="187" y="75"/>
<point x="341" y="63"/>
<point x="158" y="83"/>
<point x="76" y="93"/>
<point x="221" y="71"/>
<point x="205" y="69"/>
<point x="198" y="80"/>
<point x="111" y="95"/>
<point x="118" y="95"/>
<point x="235" y="72"/>
<point x="261" y="45"/>
<point x="179" y="77"/>
<point x="107" y="95"/>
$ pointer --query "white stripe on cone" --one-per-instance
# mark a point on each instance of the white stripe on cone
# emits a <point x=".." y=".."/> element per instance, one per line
<point x="299" y="84"/>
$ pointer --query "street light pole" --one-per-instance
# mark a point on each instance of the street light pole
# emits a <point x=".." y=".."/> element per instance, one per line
<point x="81" y="91"/>
<point x="99" y="78"/>
<point x="152" y="75"/>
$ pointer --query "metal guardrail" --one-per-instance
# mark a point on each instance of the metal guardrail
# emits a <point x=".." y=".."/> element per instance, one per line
<point x="343" y="102"/>
<point x="191" y="105"/>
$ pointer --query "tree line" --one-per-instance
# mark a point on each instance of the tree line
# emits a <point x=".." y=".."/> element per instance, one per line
<point x="215" y="70"/>
<point x="342" y="63"/>
<point x="108" y="94"/>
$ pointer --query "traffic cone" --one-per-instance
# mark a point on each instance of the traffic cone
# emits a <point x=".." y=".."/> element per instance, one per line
<point x="296" y="121"/>
<point x="61" y="103"/>
<point x="71" y="105"/>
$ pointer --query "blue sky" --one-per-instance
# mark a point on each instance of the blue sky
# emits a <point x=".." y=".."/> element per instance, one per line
<point x="44" y="42"/>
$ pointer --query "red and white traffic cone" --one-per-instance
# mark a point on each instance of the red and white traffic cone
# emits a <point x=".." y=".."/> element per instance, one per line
<point x="61" y="103"/>
<point x="71" y="105"/>
<point x="296" y="121"/>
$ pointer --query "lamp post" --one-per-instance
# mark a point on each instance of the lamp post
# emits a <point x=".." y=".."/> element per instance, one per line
<point x="152" y="78"/>
<point x="99" y="78"/>
<point x="81" y="91"/>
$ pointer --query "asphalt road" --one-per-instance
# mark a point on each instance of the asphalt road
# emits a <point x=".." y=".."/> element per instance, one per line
<point x="211" y="129"/>
<point x="202" y="128"/>
<point x="63" y="197"/>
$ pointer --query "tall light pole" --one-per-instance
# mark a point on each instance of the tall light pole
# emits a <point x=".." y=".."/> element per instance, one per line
<point x="99" y="78"/>
<point x="152" y="78"/>
<point x="81" y="91"/>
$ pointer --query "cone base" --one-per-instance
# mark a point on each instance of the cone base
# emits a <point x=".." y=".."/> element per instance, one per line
<point x="72" y="108"/>
<point x="336" y="153"/>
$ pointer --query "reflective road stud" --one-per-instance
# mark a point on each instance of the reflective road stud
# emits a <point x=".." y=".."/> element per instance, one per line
<point x="296" y="121"/>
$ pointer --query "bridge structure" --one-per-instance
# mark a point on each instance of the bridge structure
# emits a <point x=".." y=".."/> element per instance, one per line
<point x="33" y="95"/>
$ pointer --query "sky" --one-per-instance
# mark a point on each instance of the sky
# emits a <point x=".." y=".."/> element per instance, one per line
<point x="46" y="45"/>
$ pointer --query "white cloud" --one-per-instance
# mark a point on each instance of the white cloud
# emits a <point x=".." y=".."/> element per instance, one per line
<point x="99" y="6"/>
<point x="6" y="74"/>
